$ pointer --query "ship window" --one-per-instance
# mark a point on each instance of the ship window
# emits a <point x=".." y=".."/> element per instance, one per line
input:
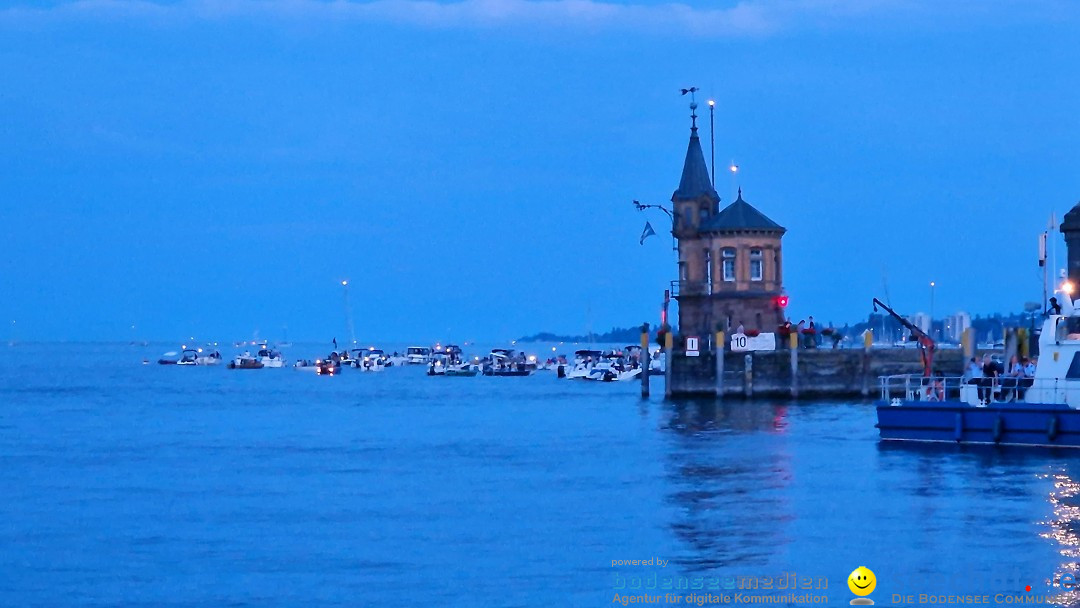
<point x="755" y="264"/>
<point x="729" y="264"/>
<point x="1074" y="368"/>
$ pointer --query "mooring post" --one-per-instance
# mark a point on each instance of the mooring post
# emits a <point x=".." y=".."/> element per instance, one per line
<point x="645" y="363"/>
<point x="748" y="375"/>
<point x="968" y="342"/>
<point x="794" y="343"/>
<point x="669" y="359"/>
<point x="868" y="341"/>
<point x="720" y="363"/>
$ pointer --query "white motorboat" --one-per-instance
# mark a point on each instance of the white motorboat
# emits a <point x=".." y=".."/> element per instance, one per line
<point x="417" y="355"/>
<point x="270" y="357"/>
<point x="372" y="360"/>
<point x="584" y="361"/>
<point x="614" y="366"/>
<point x="438" y="364"/>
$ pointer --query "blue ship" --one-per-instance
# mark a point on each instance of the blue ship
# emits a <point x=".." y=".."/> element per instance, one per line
<point x="1038" y="411"/>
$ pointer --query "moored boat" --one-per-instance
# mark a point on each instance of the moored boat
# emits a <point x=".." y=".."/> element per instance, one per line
<point x="270" y="357"/>
<point x="245" y="361"/>
<point x="417" y="355"/>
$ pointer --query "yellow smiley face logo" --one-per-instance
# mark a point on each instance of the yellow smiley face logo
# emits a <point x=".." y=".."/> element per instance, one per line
<point x="862" y="581"/>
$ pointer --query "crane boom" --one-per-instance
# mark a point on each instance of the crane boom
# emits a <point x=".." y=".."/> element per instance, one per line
<point x="926" y="343"/>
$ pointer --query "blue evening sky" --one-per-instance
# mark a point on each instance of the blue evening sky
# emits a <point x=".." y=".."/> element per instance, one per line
<point x="216" y="167"/>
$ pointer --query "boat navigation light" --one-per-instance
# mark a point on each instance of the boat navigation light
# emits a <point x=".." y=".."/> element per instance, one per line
<point x="1068" y="287"/>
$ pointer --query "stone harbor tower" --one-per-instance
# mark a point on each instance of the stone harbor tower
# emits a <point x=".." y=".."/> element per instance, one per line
<point x="730" y="269"/>
<point x="1070" y="227"/>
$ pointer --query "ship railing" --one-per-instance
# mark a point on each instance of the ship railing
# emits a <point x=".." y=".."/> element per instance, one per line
<point x="916" y="387"/>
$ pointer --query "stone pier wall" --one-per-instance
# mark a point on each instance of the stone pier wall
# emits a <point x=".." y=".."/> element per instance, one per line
<point x="817" y="372"/>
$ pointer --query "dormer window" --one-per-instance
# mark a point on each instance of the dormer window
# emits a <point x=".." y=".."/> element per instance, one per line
<point x="755" y="265"/>
<point x="703" y="214"/>
<point x="729" y="265"/>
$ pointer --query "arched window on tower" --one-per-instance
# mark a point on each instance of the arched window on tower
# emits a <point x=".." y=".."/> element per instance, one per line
<point x="756" y="268"/>
<point x="729" y="264"/>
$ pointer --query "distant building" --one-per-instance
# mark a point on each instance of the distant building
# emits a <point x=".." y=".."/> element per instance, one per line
<point x="921" y="320"/>
<point x="955" y="325"/>
<point x="730" y="270"/>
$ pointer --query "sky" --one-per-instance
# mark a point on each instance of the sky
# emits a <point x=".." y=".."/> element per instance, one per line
<point x="216" y="168"/>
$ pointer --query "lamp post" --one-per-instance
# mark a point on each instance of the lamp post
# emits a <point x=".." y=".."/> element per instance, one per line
<point x="932" y="285"/>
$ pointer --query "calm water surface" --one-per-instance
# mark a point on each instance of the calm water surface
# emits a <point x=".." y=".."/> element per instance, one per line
<point x="131" y="485"/>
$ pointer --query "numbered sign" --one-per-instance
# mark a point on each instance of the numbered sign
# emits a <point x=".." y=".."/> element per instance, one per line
<point x="693" y="348"/>
<point x="742" y="342"/>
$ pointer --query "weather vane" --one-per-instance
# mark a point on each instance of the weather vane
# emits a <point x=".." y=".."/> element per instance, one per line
<point x="693" y="104"/>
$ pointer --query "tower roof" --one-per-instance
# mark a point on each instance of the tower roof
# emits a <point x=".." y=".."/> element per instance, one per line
<point x="740" y="215"/>
<point x="695" y="182"/>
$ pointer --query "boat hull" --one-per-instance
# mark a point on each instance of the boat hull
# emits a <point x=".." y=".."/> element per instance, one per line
<point x="1050" y="425"/>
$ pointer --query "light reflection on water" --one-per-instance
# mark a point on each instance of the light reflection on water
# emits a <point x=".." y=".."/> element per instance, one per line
<point x="1063" y="530"/>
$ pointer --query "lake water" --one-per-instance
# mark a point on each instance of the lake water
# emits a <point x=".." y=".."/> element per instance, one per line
<point x="130" y="485"/>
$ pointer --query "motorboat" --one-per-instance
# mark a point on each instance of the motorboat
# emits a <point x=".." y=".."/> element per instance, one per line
<point x="270" y="357"/>
<point x="1043" y="410"/>
<point x="245" y="361"/>
<point x="372" y="360"/>
<point x="506" y="362"/>
<point x="442" y="360"/>
<point x="328" y="367"/>
<point x="417" y="355"/>
<point x="208" y="358"/>
<point x="438" y="363"/>
<point x="614" y="366"/>
<point x="584" y="360"/>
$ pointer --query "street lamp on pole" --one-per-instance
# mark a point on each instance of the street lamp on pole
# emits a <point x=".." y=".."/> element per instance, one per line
<point x="932" y="285"/>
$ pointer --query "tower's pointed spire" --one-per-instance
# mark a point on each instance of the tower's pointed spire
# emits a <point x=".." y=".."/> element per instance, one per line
<point x="695" y="182"/>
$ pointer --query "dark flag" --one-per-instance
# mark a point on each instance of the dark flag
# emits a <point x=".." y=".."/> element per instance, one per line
<point x="646" y="233"/>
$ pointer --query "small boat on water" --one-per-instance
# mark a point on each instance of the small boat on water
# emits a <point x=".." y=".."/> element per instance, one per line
<point x="270" y="357"/>
<point x="328" y="366"/>
<point x="372" y="360"/>
<point x="417" y="355"/>
<point x="1043" y="410"/>
<point x="584" y="360"/>
<point x="191" y="356"/>
<point x="506" y="362"/>
<point x="614" y="366"/>
<point x="245" y="361"/>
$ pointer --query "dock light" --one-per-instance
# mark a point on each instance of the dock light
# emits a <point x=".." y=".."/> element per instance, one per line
<point x="734" y="168"/>
<point x="343" y="283"/>
<point x="1068" y="287"/>
<point x="712" y="103"/>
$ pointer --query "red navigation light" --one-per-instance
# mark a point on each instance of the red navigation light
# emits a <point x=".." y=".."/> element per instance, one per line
<point x="782" y="301"/>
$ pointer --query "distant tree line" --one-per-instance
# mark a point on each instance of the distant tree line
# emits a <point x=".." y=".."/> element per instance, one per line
<point x="990" y="328"/>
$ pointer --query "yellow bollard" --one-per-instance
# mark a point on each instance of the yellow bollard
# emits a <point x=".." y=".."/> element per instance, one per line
<point x="1022" y="341"/>
<point x="868" y="338"/>
<point x="793" y="340"/>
